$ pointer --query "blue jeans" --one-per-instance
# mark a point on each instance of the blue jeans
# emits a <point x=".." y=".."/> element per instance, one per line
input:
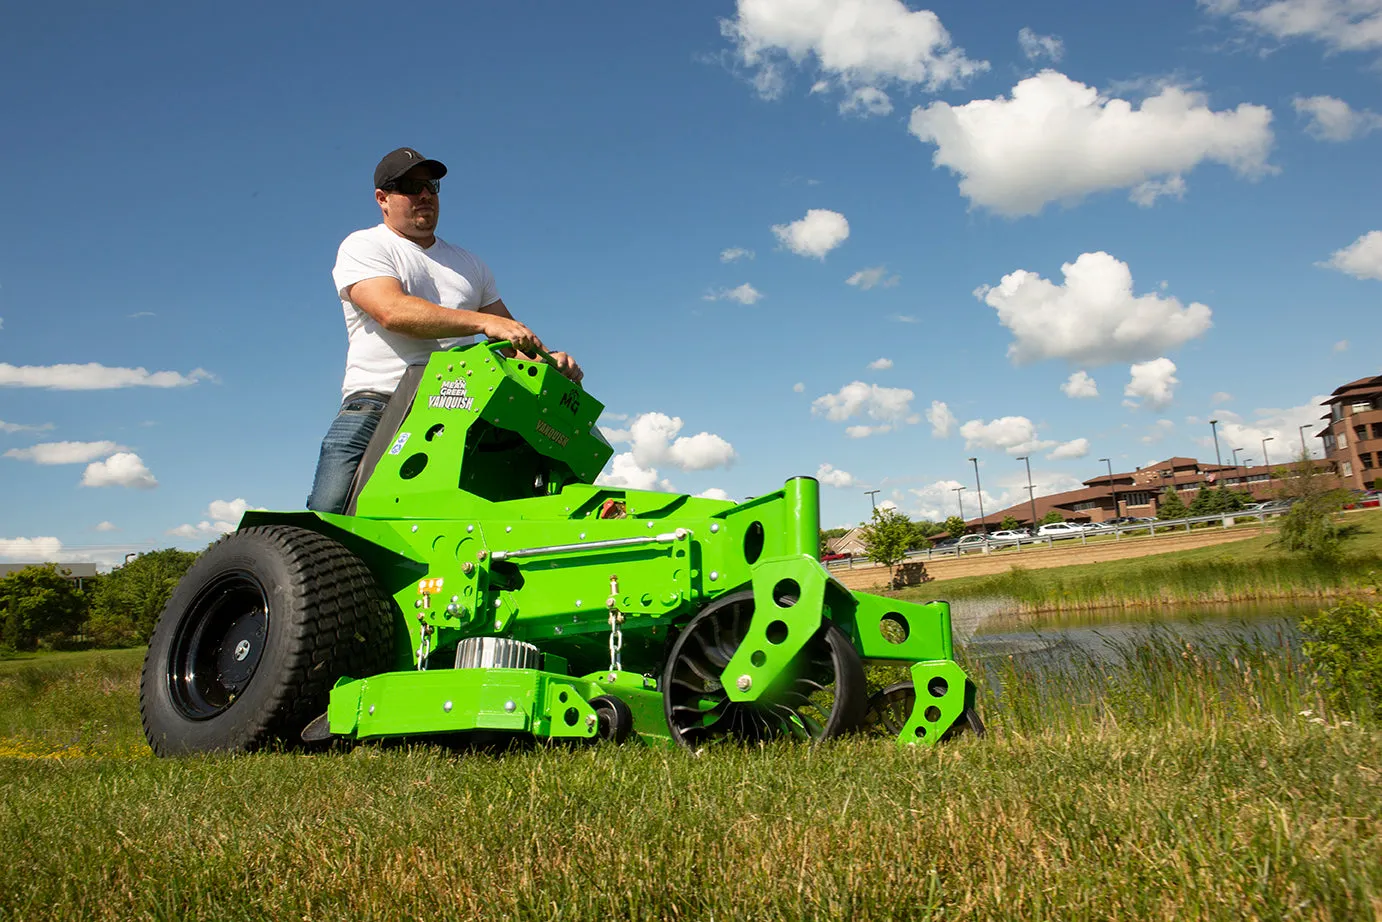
<point x="341" y="452"/>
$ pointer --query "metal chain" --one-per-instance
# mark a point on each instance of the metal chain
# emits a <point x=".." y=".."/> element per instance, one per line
<point x="616" y="631"/>
<point x="424" y="646"/>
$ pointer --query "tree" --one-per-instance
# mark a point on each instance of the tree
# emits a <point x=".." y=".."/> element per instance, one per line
<point x="1051" y="518"/>
<point x="128" y="600"/>
<point x="954" y="526"/>
<point x="887" y="537"/>
<point x="1171" y="505"/>
<point x="1009" y="524"/>
<point x="1312" y="524"/>
<point x="39" y="602"/>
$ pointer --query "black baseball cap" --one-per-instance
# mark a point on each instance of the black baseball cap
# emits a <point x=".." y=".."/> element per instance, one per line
<point x="398" y="162"/>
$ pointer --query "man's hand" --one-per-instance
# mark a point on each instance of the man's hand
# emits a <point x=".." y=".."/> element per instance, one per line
<point x="567" y="366"/>
<point x="523" y="339"/>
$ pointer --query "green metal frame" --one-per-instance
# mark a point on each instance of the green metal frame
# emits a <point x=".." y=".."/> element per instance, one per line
<point x="482" y="519"/>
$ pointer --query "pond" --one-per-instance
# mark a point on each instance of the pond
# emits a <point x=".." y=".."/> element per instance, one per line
<point x="988" y="628"/>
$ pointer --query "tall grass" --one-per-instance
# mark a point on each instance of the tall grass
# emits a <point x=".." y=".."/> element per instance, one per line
<point x="1169" y="579"/>
<point x="1159" y="781"/>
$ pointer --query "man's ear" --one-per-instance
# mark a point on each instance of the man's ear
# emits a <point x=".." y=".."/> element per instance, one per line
<point x="380" y="197"/>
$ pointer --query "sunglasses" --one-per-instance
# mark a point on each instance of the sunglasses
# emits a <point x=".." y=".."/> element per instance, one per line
<point x="412" y="186"/>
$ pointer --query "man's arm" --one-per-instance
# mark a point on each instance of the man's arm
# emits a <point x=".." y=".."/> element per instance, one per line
<point x="397" y="311"/>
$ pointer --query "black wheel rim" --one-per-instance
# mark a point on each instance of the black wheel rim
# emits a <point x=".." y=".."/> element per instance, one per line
<point x="218" y="645"/>
<point x="807" y="705"/>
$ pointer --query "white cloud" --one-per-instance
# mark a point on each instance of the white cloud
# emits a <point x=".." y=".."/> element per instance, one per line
<point x="94" y="377"/>
<point x="1146" y="193"/>
<point x="853" y="44"/>
<point x="905" y="318"/>
<point x="1080" y="386"/>
<point x="831" y="476"/>
<point x="31" y="550"/>
<point x="24" y="427"/>
<point x="872" y="277"/>
<point x="1035" y="47"/>
<point x="798" y="387"/>
<point x="1342" y="25"/>
<point x="1341" y="346"/>
<point x="625" y="472"/>
<point x="1220" y="397"/>
<point x="106" y="526"/>
<point x="863" y="432"/>
<point x="1075" y="448"/>
<point x="866" y="101"/>
<point x="123" y="469"/>
<point x="1153" y="384"/>
<point x="1093" y="317"/>
<point x="936" y="501"/>
<point x="1056" y="140"/>
<point x="1333" y="119"/>
<point x="652" y="435"/>
<point x="814" y="235"/>
<point x="1281" y="424"/>
<point x="888" y="407"/>
<point x="64" y="452"/>
<point x="222" y="517"/>
<point x="881" y="364"/>
<point x="941" y="419"/>
<point x="734" y="253"/>
<point x="1160" y="430"/>
<point x="713" y="493"/>
<point x="1014" y="434"/>
<point x="1361" y="259"/>
<point x="744" y="294"/>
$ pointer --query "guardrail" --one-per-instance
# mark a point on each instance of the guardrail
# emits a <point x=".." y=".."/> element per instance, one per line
<point x="1226" y="519"/>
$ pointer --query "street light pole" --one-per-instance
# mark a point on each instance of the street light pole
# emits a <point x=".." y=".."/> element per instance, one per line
<point x="1266" y="460"/>
<point x="1111" y="492"/>
<point x="1304" y="452"/>
<point x="1214" y="428"/>
<point x="871" y="495"/>
<point x="961" y="500"/>
<point x="1235" y="456"/>
<point x="1031" y="494"/>
<point x="980" y="488"/>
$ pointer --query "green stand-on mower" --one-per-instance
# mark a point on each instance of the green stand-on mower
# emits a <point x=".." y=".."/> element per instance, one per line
<point x="481" y="585"/>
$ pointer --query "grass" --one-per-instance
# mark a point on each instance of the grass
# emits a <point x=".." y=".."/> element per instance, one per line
<point x="1247" y="570"/>
<point x="1166" y="782"/>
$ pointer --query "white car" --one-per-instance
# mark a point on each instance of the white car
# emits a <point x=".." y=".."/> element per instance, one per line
<point x="1060" y="530"/>
<point x="1010" y="535"/>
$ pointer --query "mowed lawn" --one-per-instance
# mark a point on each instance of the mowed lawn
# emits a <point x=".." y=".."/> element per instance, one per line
<point x="1192" y="785"/>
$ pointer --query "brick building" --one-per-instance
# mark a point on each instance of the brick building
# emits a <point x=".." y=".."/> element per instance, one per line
<point x="1138" y="492"/>
<point x="1352" y="434"/>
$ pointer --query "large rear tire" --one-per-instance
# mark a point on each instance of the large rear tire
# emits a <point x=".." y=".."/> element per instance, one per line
<point x="253" y="638"/>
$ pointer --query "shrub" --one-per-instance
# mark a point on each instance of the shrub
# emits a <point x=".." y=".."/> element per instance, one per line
<point x="1345" y="645"/>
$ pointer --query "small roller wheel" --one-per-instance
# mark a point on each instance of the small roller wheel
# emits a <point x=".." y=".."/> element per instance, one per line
<point x="615" y="718"/>
<point x="890" y="709"/>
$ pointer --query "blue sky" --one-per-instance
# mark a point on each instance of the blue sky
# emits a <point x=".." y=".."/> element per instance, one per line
<point x="859" y="240"/>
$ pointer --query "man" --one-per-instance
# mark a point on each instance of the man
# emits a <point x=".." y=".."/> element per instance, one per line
<point x="406" y="293"/>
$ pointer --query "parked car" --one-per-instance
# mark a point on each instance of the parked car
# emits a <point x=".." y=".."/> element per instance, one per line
<point x="969" y="542"/>
<point x="1129" y="520"/>
<point x="1009" y="535"/>
<point x="1060" y="530"/>
<point x="827" y="558"/>
<point x="1098" y="528"/>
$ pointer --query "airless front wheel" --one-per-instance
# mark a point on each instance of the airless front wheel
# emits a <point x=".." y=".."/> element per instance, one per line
<point x="823" y="695"/>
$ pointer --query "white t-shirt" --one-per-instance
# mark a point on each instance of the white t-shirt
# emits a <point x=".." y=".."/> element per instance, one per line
<point x="442" y="273"/>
